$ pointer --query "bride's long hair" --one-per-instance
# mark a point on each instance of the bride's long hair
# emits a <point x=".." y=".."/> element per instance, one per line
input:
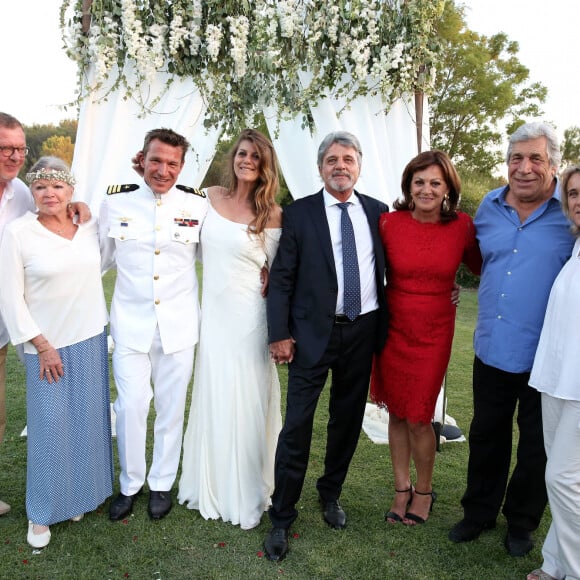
<point x="268" y="182"/>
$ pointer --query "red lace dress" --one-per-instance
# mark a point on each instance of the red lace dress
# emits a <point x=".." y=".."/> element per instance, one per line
<point x="422" y="261"/>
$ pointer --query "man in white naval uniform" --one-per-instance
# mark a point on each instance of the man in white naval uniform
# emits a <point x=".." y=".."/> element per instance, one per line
<point x="150" y="230"/>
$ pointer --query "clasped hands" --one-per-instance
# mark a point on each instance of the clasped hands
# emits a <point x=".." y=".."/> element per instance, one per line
<point x="282" y="351"/>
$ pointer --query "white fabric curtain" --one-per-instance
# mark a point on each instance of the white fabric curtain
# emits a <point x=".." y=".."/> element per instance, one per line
<point x="388" y="141"/>
<point x="112" y="130"/>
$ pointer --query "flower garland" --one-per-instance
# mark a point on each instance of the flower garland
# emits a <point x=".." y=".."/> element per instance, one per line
<point x="245" y="55"/>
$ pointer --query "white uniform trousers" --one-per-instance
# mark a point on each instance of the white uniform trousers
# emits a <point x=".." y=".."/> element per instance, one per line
<point x="561" y="550"/>
<point x="170" y="374"/>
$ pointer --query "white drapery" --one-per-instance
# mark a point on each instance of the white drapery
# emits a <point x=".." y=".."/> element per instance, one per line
<point x="111" y="130"/>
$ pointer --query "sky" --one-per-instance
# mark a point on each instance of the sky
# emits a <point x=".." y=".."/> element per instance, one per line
<point x="37" y="76"/>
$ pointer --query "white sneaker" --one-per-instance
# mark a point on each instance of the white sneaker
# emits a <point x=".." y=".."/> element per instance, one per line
<point x="37" y="540"/>
<point x="4" y="508"/>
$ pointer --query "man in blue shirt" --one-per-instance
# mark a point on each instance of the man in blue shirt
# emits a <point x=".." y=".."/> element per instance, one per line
<point x="524" y="240"/>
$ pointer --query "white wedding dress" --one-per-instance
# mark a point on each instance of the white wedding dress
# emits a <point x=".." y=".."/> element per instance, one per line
<point x="234" y="419"/>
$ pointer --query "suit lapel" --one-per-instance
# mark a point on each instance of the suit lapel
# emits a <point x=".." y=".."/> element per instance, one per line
<point x="372" y="218"/>
<point x="318" y="216"/>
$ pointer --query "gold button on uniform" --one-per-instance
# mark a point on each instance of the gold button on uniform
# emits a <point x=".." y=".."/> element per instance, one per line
<point x="157" y="301"/>
<point x="156" y="277"/>
<point x="157" y="252"/>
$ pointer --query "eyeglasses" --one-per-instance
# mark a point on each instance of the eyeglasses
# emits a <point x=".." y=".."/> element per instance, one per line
<point x="8" y="151"/>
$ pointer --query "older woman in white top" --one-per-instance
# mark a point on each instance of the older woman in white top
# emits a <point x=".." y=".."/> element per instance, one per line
<point x="556" y="375"/>
<point x="52" y="301"/>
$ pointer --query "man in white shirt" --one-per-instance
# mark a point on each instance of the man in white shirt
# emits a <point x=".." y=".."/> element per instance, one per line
<point x="15" y="201"/>
<point x="150" y="231"/>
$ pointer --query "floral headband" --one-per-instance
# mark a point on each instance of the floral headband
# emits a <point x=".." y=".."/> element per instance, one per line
<point x="50" y="174"/>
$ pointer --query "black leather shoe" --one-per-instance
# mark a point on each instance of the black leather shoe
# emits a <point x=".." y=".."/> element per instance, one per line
<point x="122" y="506"/>
<point x="333" y="514"/>
<point x="276" y="544"/>
<point x="468" y="530"/>
<point x="518" y="543"/>
<point x="159" y="504"/>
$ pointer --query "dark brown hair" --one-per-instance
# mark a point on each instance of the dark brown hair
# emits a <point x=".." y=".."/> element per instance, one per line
<point x="450" y="175"/>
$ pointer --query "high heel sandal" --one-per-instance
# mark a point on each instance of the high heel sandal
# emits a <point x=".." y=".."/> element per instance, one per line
<point x="394" y="516"/>
<point x="418" y="519"/>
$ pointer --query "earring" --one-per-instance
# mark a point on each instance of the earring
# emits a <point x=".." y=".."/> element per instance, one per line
<point x="445" y="206"/>
<point x="411" y="205"/>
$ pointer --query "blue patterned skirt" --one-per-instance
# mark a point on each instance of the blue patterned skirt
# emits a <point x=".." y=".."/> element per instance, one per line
<point x="70" y="461"/>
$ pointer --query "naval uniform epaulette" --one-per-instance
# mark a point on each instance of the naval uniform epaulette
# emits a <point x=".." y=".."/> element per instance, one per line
<point x="193" y="190"/>
<point x="121" y="188"/>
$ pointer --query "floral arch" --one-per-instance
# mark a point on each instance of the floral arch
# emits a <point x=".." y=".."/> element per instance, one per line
<point x="209" y="68"/>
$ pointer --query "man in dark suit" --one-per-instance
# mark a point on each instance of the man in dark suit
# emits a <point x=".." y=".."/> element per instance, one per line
<point x="326" y="311"/>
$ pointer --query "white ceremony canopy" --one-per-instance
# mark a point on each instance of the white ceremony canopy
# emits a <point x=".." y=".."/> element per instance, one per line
<point x="111" y="130"/>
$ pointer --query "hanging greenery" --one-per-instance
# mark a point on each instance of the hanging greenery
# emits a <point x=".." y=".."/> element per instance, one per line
<point x="245" y="55"/>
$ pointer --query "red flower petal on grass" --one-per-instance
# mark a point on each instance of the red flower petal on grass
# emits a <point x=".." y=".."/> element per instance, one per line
<point x="125" y="522"/>
<point x="134" y="538"/>
<point x="25" y="561"/>
<point x="221" y="544"/>
<point x="295" y="535"/>
<point x="126" y="574"/>
<point x="260" y="554"/>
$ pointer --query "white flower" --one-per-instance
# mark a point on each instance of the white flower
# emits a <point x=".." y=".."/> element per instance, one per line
<point x="213" y="37"/>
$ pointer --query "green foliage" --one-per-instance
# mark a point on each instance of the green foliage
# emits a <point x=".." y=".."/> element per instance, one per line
<point x="59" y="146"/>
<point x="481" y="87"/>
<point x="571" y="146"/>
<point x="184" y="545"/>
<point x="244" y="56"/>
<point x="37" y="135"/>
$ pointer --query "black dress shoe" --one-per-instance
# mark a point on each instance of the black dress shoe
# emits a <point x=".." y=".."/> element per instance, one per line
<point x="159" y="504"/>
<point x="122" y="506"/>
<point x="276" y="544"/>
<point x="518" y="542"/>
<point x="333" y="514"/>
<point x="468" y="530"/>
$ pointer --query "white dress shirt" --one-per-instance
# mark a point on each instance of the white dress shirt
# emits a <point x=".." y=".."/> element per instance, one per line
<point x="14" y="203"/>
<point x="364" y="249"/>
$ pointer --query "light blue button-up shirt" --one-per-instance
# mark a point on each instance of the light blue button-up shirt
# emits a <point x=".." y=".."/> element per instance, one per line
<point x="520" y="263"/>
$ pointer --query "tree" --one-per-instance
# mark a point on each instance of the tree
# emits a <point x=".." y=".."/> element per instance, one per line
<point x="571" y="146"/>
<point x="59" y="146"/>
<point x="36" y="135"/>
<point x="482" y="89"/>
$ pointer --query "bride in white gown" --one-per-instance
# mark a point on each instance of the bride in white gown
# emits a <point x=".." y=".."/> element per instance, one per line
<point x="234" y="419"/>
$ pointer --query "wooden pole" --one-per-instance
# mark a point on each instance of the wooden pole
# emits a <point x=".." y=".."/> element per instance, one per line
<point x="86" y="16"/>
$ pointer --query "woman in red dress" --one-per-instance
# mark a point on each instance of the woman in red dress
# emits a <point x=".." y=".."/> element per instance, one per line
<point x="425" y="241"/>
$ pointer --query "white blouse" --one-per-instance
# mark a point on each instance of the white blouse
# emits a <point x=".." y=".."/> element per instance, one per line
<point x="557" y="364"/>
<point x="51" y="285"/>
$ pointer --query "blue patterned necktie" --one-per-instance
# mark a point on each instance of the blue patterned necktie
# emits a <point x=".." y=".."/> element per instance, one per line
<point x="349" y="265"/>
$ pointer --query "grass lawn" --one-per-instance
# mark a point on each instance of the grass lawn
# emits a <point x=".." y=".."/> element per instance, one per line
<point x="183" y="545"/>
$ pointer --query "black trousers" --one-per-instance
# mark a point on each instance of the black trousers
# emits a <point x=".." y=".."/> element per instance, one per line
<point x="496" y="394"/>
<point x="349" y="357"/>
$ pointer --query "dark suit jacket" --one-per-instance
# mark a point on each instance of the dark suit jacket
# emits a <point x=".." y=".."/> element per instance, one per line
<point x="303" y="285"/>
